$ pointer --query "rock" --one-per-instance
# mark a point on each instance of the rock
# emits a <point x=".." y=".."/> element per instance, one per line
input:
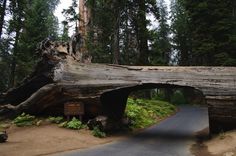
<point x="105" y="124"/>
<point x="99" y="121"/>
<point x="3" y="137"/>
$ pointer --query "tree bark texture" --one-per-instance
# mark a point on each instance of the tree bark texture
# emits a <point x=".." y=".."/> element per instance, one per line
<point x="59" y="78"/>
<point x="3" y="13"/>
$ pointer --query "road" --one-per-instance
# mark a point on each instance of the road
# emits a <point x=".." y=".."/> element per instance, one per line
<point x="172" y="137"/>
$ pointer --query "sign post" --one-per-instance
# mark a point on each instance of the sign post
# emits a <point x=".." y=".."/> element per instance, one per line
<point x="74" y="109"/>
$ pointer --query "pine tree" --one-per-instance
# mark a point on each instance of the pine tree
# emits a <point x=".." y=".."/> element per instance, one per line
<point x="161" y="47"/>
<point x="119" y="31"/>
<point x="29" y="23"/>
<point x="71" y="15"/>
<point x="100" y="36"/>
<point x="39" y="24"/>
<point x="3" y="6"/>
<point x="17" y="9"/>
<point x="181" y="36"/>
<point x="212" y="27"/>
<point x="65" y="32"/>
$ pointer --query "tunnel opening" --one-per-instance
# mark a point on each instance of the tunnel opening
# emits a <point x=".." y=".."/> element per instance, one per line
<point x="116" y="102"/>
<point x="187" y="100"/>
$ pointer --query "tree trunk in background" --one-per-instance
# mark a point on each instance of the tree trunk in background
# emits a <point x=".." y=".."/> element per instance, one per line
<point x="142" y="34"/>
<point x="184" y="59"/>
<point x="116" y="37"/>
<point x="13" y="63"/>
<point x="2" y="16"/>
<point x="84" y="15"/>
<point x="142" y="37"/>
<point x="168" y="92"/>
<point x="193" y="96"/>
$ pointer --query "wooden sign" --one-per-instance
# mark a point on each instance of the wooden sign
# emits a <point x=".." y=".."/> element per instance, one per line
<point x="73" y="108"/>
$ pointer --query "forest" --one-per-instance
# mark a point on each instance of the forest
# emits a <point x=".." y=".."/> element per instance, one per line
<point x="126" y="32"/>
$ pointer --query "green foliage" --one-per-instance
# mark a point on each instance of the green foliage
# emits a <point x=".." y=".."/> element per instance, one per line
<point x="161" y="47"/>
<point x="213" y="36"/>
<point x="28" y="23"/>
<point x="56" y="120"/>
<point x="124" y="21"/>
<point x="71" y="16"/>
<point x="160" y="95"/>
<point x="144" y="113"/>
<point x="65" y="33"/>
<point x="178" y="98"/>
<point x="24" y="120"/>
<point x="98" y="133"/>
<point x="181" y="36"/>
<point x="75" y="124"/>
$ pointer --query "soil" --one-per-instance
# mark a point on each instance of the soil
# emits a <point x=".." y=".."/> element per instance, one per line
<point x="48" y="139"/>
<point x="223" y="144"/>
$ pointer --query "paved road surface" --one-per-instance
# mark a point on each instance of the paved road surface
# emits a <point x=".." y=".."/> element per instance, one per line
<point x="172" y="137"/>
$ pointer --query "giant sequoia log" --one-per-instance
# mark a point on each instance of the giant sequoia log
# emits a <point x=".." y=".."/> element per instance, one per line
<point x="62" y="77"/>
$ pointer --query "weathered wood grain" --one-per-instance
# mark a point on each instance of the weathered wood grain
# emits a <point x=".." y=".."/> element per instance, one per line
<point x="104" y="89"/>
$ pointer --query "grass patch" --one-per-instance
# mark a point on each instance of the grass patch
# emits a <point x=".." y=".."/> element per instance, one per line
<point x="144" y="113"/>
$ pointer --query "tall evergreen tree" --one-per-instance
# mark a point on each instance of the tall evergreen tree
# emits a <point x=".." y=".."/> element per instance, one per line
<point x="65" y="31"/>
<point x="161" y="47"/>
<point x="71" y="15"/>
<point x="3" y="6"/>
<point x="142" y="33"/>
<point x="28" y="23"/>
<point x="212" y="26"/>
<point x="181" y="36"/>
<point x="103" y="39"/>
<point x="17" y="9"/>
<point x="120" y="30"/>
<point x="39" y="24"/>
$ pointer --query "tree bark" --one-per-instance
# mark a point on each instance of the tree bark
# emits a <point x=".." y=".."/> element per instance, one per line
<point x="142" y="34"/>
<point x="13" y="61"/>
<point x="103" y="89"/>
<point x="3" y="12"/>
<point x="116" y="35"/>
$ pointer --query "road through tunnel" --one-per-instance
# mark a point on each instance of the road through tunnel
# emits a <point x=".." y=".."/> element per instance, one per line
<point x="114" y="103"/>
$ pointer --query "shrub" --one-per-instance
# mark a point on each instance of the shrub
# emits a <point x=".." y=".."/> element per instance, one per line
<point x="144" y="113"/>
<point x="178" y="98"/>
<point x="74" y="124"/>
<point x="98" y="133"/>
<point x="139" y="116"/>
<point x="24" y="120"/>
<point x="56" y="120"/>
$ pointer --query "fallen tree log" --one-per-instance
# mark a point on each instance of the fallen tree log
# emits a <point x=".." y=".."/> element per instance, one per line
<point x="61" y="77"/>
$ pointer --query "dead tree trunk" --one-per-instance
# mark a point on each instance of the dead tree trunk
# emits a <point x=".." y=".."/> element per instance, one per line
<point x="103" y="89"/>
